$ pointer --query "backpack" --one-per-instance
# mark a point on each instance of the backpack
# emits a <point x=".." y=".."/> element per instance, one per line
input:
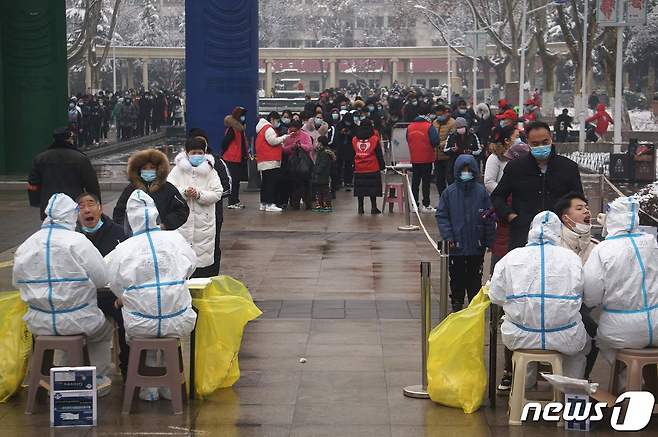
<point x="300" y="165"/>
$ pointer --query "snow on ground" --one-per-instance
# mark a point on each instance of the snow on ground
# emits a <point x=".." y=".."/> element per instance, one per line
<point x="593" y="161"/>
<point x="643" y="120"/>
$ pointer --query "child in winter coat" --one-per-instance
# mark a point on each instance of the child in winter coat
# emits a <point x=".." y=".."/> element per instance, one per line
<point x="463" y="218"/>
<point x="324" y="158"/>
<point x="602" y="120"/>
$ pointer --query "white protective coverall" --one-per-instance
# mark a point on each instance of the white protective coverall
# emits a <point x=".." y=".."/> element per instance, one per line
<point x="540" y="289"/>
<point x="149" y="272"/>
<point x="58" y="272"/>
<point x="621" y="275"/>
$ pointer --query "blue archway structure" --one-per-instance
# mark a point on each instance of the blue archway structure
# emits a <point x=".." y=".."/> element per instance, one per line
<point x="221" y="52"/>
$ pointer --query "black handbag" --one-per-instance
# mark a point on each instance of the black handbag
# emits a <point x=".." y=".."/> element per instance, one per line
<point x="300" y="165"/>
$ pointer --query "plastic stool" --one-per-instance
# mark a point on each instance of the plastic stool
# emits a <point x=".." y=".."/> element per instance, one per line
<point x="398" y="197"/>
<point x="140" y="375"/>
<point x="520" y="360"/>
<point x="636" y="361"/>
<point x="42" y="360"/>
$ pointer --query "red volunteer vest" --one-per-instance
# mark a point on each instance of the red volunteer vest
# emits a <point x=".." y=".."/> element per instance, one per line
<point x="418" y="138"/>
<point x="264" y="151"/>
<point x="365" y="159"/>
<point x="233" y="152"/>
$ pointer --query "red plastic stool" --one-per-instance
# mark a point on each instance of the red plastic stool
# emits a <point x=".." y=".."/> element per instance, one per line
<point x="394" y="194"/>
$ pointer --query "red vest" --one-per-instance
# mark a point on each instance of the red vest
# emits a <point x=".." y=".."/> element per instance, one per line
<point x="233" y="152"/>
<point x="418" y="138"/>
<point x="264" y="151"/>
<point x="365" y="158"/>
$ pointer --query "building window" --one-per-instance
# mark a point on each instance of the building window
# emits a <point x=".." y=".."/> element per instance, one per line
<point x="434" y="83"/>
<point x="343" y="83"/>
<point x="421" y="82"/>
<point x="315" y="86"/>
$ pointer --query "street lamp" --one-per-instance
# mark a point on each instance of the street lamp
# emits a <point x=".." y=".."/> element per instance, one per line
<point x="523" y="48"/>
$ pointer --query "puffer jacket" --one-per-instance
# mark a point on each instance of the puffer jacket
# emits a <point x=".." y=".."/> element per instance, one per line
<point x="199" y="229"/>
<point x="462" y="210"/>
<point x="444" y="128"/>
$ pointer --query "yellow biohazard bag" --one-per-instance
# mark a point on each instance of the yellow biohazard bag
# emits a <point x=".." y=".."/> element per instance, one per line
<point x="456" y="373"/>
<point x="224" y="308"/>
<point x="15" y="343"/>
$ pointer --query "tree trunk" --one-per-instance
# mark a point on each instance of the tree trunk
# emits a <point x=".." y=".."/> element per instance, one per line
<point x="651" y="81"/>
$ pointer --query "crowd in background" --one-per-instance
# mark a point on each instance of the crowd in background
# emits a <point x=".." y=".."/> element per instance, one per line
<point x="133" y="113"/>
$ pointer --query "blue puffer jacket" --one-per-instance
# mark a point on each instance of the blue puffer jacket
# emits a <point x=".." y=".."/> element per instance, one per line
<point x="461" y="212"/>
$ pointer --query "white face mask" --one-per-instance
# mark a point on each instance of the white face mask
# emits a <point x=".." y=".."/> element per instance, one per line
<point x="580" y="228"/>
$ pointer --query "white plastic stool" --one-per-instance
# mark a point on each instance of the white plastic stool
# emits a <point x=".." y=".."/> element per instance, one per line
<point x="520" y="360"/>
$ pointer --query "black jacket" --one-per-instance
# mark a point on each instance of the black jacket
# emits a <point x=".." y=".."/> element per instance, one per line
<point x="533" y="191"/>
<point x="171" y="206"/>
<point x="60" y="169"/>
<point x="107" y="237"/>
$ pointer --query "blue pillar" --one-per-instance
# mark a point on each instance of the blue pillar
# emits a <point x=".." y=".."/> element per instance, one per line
<point x="221" y="63"/>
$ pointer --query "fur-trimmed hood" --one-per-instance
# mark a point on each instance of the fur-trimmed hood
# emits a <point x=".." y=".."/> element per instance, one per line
<point x="183" y="162"/>
<point x="230" y="121"/>
<point x="139" y="159"/>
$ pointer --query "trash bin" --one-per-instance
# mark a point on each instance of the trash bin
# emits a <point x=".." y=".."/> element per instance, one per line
<point x="620" y="168"/>
<point x="644" y="162"/>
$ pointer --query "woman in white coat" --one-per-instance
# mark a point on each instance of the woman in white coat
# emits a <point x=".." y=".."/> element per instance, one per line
<point x="196" y="179"/>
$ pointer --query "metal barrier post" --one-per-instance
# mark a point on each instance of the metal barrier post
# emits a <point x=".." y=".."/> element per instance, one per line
<point x="444" y="274"/>
<point x="420" y="391"/>
<point x="407" y="204"/>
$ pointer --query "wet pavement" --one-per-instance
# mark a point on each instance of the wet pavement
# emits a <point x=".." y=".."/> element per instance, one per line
<point x="341" y="291"/>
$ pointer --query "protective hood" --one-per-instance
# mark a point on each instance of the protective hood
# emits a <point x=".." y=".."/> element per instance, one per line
<point x="142" y="213"/>
<point x="61" y="211"/>
<point x="546" y="228"/>
<point x="623" y="217"/>
<point x="462" y="161"/>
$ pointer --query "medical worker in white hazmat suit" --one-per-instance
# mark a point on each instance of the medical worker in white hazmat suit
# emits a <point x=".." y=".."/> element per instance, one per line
<point x="148" y="272"/>
<point x="540" y="288"/>
<point x="621" y="275"/>
<point x="58" y="272"/>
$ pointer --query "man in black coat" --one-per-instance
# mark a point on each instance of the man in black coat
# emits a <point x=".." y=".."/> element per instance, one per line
<point x="105" y="235"/>
<point x="536" y="182"/>
<point x="61" y="169"/>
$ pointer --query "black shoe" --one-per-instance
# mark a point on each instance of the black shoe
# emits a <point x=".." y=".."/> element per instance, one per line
<point x="506" y="382"/>
<point x="360" y="211"/>
<point x="375" y="211"/>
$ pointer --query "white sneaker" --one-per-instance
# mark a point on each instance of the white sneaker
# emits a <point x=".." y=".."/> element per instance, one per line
<point x="165" y="393"/>
<point x="427" y="209"/>
<point x="103" y="386"/>
<point x="262" y="207"/>
<point x="273" y="208"/>
<point x="149" y="394"/>
<point x="234" y="206"/>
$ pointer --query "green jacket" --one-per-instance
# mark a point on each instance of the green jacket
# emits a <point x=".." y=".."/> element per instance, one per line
<point x="322" y="168"/>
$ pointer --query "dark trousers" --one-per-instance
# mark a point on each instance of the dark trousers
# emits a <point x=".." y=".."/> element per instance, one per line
<point x="106" y="305"/>
<point x="465" y="277"/>
<point x="269" y="186"/>
<point x="235" y="169"/>
<point x="345" y="169"/>
<point x="422" y="173"/>
<point x="300" y="190"/>
<point x="441" y="171"/>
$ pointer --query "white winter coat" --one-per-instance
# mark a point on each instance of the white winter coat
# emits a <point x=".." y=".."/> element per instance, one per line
<point x="540" y="288"/>
<point x="493" y="172"/>
<point x="149" y="272"/>
<point x="58" y="271"/>
<point x="621" y="275"/>
<point x="199" y="230"/>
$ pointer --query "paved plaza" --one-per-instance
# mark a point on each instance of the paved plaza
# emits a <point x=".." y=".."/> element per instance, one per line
<point x="341" y="291"/>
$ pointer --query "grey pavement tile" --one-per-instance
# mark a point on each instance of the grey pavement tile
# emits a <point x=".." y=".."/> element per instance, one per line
<point x="340" y="430"/>
<point x="330" y="414"/>
<point x="344" y="364"/>
<point x="278" y="326"/>
<point x="246" y="416"/>
<point x="440" y="431"/>
<point x="357" y="338"/>
<point x="342" y="387"/>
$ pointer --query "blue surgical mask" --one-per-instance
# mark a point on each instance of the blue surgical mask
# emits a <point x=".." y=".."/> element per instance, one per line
<point x="462" y="110"/>
<point x="442" y="118"/>
<point x="243" y="119"/>
<point x="93" y="230"/>
<point x="285" y="120"/>
<point x="466" y="176"/>
<point x="371" y="108"/>
<point x="335" y="116"/>
<point x="147" y="175"/>
<point x="197" y="160"/>
<point x="541" y="152"/>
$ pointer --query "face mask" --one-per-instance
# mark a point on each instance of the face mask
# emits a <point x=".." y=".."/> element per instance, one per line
<point x="414" y="103"/>
<point x="502" y="123"/>
<point x="579" y="228"/>
<point x="371" y="108"/>
<point x="243" y="119"/>
<point x="285" y="120"/>
<point x="461" y="130"/>
<point x="318" y="123"/>
<point x="197" y="160"/>
<point x="357" y="122"/>
<point x="335" y="116"/>
<point x="518" y="141"/>
<point x="462" y="110"/>
<point x="442" y="118"/>
<point x="147" y="175"/>
<point x="541" y="152"/>
<point x="466" y="176"/>
<point x="276" y="124"/>
<point x="93" y="230"/>
<point x="356" y="119"/>
<point x="343" y="108"/>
